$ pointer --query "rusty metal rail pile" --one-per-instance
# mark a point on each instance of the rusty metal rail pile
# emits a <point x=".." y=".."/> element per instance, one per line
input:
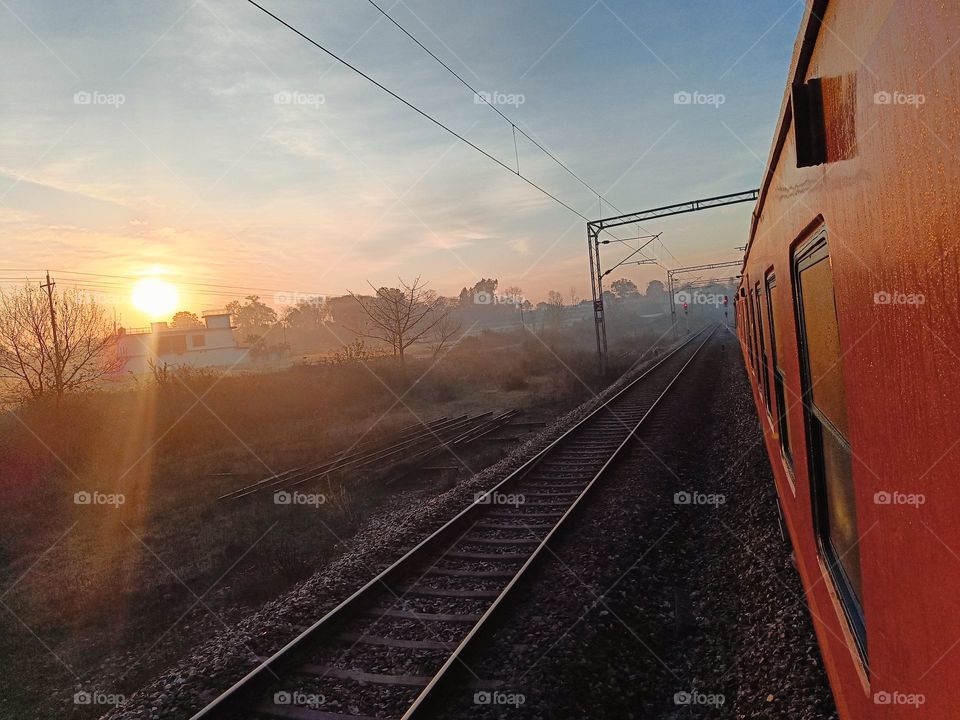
<point x="408" y="447"/>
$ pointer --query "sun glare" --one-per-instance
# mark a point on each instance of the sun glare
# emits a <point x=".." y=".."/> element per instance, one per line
<point x="154" y="297"/>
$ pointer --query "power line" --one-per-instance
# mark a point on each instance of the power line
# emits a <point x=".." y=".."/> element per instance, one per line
<point x="669" y="253"/>
<point x="114" y="290"/>
<point x="178" y="282"/>
<point x="108" y="288"/>
<point x="513" y="125"/>
<point x="497" y="110"/>
<point x="423" y="113"/>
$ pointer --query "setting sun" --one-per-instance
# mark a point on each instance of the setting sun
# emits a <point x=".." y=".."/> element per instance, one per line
<point x="154" y="297"/>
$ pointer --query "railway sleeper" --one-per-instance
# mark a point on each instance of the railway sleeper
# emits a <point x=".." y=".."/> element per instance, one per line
<point x="396" y="642"/>
<point x="466" y="555"/>
<point x="558" y="485"/>
<point x="470" y="619"/>
<point x="560" y="501"/>
<point x="478" y="540"/>
<point x="567" y="496"/>
<point x="294" y="712"/>
<point x="448" y="592"/>
<point x="521" y="527"/>
<point x="328" y="671"/>
<point x="569" y="467"/>
<point x="480" y="574"/>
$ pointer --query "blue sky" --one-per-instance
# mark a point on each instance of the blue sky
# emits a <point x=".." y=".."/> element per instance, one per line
<point x="185" y="162"/>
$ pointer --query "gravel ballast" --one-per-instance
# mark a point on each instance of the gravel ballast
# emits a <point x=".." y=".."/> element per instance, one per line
<point x="219" y="662"/>
<point x="647" y="606"/>
<point x="650" y="606"/>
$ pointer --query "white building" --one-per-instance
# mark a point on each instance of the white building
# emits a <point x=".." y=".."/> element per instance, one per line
<point x="211" y="344"/>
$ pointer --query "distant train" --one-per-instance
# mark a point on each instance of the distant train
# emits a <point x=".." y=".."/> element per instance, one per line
<point x="848" y="313"/>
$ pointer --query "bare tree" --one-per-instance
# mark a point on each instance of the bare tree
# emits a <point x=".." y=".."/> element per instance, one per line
<point x="554" y="309"/>
<point x="447" y="328"/>
<point x="35" y="360"/>
<point x="402" y="316"/>
<point x="514" y="296"/>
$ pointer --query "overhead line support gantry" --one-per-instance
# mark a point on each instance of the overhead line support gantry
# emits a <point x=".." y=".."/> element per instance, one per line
<point x="595" y="227"/>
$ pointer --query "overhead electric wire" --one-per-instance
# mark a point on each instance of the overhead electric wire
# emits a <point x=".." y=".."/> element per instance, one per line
<point x="669" y="253"/>
<point x="497" y="110"/>
<point x="513" y="124"/>
<point x="110" y="289"/>
<point x="178" y="282"/>
<point x="191" y="285"/>
<point x="416" y="109"/>
<point x="421" y="112"/>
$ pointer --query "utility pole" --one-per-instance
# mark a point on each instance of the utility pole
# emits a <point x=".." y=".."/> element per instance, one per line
<point x="58" y="367"/>
<point x="673" y="306"/>
<point x="598" y="320"/>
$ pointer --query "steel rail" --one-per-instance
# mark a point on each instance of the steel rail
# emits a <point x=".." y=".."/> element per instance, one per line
<point x="430" y="694"/>
<point x="357" y="459"/>
<point x="339" y="456"/>
<point x="272" y="668"/>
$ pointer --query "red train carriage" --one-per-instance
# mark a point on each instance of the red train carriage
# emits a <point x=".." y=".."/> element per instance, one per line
<point x="849" y="317"/>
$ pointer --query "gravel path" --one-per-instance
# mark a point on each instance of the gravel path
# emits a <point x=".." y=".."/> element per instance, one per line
<point x="654" y="609"/>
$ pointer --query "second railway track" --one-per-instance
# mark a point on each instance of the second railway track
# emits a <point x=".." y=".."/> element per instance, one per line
<point x="390" y="649"/>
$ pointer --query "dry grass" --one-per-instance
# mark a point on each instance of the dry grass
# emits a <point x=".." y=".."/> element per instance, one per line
<point x="102" y="581"/>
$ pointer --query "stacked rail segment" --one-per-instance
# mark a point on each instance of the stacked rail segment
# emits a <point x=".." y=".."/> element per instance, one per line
<point x="409" y="446"/>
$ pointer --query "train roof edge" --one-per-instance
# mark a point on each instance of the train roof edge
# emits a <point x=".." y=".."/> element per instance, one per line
<point x="799" y="64"/>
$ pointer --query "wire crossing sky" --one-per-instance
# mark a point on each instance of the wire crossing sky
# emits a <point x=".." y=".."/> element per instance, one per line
<point x="205" y="142"/>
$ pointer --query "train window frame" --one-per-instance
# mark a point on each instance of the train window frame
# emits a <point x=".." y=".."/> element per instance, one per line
<point x="756" y="340"/>
<point x="779" y="377"/>
<point x="762" y="361"/>
<point x="805" y="256"/>
<point x="747" y="338"/>
<point x="746" y="329"/>
<point x="741" y="326"/>
<point x="752" y="334"/>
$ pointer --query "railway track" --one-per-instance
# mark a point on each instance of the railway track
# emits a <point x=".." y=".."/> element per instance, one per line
<point x="398" y="643"/>
<point x="413" y="444"/>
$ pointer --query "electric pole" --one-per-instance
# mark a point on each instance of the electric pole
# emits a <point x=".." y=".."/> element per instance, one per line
<point x="58" y="367"/>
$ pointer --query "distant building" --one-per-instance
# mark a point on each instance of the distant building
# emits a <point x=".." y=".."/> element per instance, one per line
<point x="209" y="344"/>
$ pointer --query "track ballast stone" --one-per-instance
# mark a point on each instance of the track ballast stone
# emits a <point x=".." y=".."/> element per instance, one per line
<point x="655" y="607"/>
<point x="222" y="660"/>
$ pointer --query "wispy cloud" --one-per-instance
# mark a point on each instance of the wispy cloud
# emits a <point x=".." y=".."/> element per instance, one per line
<point x="205" y="168"/>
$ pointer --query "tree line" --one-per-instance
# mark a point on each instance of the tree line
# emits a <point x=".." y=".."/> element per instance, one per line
<point x="55" y="341"/>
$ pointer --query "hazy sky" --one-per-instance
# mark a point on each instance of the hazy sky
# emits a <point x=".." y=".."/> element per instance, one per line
<point x="186" y="160"/>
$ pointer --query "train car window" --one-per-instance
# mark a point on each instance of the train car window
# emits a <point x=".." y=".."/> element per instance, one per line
<point x="809" y="126"/>
<point x="754" y="303"/>
<point x="762" y="352"/>
<point x="823" y="343"/>
<point x="747" y="338"/>
<point x="746" y="328"/>
<point x="829" y="452"/>
<point x="752" y="334"/>
<point x="776" y="353"/>
<point x="739" y="318"/>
